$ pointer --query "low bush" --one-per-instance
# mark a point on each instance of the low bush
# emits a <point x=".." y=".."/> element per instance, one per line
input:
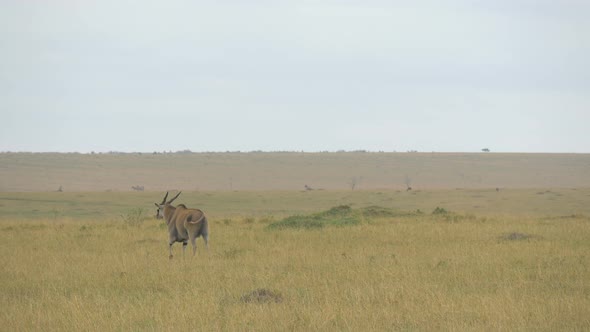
<point x="342" y="215"/>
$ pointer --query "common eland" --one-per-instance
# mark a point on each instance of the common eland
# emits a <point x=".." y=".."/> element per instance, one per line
<point x="184" y="224"/>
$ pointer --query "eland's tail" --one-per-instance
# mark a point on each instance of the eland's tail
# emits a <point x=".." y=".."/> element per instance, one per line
<point x="204" y="223"/>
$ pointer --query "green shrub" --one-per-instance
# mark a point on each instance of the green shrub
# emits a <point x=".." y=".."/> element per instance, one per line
<point x="306" y="222"/>
<point x="342" y="215"/>
<point x="375" y="211"/>
<point x="440" y="210"/>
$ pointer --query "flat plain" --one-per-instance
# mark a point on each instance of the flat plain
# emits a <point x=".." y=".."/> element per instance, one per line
<point x="74" y="172"/>
<point x="450" y="254"/>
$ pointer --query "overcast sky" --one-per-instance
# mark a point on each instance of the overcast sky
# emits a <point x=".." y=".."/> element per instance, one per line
<point x="508" y="75"/>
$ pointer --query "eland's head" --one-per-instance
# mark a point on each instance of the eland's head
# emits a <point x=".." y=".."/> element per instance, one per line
<point x="160" y="211"/>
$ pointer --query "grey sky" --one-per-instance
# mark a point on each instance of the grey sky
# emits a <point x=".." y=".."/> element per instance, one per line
<point x="295" y="75"/>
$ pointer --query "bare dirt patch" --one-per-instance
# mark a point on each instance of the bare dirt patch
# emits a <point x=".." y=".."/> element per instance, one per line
<point x="515" y="236"/>
<point x="262" y="295"/>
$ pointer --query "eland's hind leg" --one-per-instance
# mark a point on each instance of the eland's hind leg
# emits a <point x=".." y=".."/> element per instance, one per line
<point x="193" y="239"/>
<point x="206" y="238"/>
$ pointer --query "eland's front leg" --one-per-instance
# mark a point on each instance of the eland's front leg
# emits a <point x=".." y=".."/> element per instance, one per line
<point x="171" y="240"/>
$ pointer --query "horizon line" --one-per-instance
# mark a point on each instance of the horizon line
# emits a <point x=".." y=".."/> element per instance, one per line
<point x="188" y="151"/>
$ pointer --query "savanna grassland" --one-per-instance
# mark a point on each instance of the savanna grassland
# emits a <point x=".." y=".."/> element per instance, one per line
<point x="450" y="257"/>
<point x="39" y="172"/>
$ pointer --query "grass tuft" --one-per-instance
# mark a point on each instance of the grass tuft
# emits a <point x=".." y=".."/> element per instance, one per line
<point x="134" y="217"/>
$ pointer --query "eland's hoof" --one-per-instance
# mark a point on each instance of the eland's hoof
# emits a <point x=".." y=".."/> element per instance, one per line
<point x="170" y="256"/>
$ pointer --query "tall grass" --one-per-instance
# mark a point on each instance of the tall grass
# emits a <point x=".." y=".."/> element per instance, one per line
<point x="411" y="272"/>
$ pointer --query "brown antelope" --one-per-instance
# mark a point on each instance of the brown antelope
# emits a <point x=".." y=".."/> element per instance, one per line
<point x="183" y="224"/>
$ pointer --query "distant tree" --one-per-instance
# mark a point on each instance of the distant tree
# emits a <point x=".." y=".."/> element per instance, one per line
<point x="355" y="182"/>
<point x="408" y="182"/>
<point x="485" y="150"/>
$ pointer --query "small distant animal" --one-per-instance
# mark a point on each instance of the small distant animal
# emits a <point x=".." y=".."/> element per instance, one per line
<point x="184" y="224"/>
<point x="308" y="187"/>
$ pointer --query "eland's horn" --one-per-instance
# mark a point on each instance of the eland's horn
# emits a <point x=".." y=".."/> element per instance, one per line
<point x="172" y="200"/>
<point x="164" y="200"/>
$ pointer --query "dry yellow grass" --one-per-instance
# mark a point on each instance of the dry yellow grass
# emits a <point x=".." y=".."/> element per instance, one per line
<point x="514" y="259"/>
<point x="397" y="273"/>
